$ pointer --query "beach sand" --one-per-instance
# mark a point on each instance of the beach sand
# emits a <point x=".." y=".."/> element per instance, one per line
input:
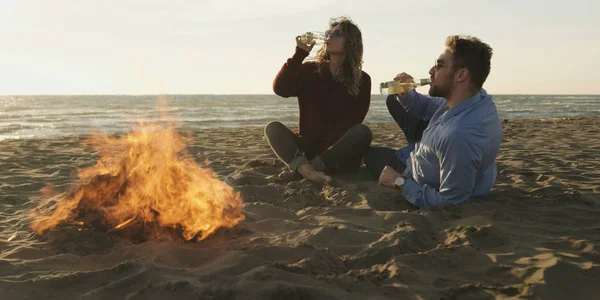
<point x="535" y="236"/>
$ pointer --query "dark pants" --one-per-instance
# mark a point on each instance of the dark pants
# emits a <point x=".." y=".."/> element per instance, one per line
<point x="376" y="158"/>
<point x="345" y="155"/>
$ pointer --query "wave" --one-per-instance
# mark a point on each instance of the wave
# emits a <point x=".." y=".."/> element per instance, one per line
<point x="43" y="116"/>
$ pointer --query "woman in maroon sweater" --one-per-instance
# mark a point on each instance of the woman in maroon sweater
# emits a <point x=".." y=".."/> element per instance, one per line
<point x="333" y="99"/>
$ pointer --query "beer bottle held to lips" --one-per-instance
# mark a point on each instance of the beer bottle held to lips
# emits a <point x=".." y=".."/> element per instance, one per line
<point x="309" y="37"/>
<point x="401" y="88"/>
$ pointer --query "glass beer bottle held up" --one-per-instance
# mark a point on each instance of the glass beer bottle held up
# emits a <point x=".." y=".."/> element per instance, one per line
<point x="313" y="36"/>
<point x="401" y="88"/>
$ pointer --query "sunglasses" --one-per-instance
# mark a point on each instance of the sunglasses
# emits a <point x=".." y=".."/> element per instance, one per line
<point x="437" y="65"/>
<point x="336" y="33"/>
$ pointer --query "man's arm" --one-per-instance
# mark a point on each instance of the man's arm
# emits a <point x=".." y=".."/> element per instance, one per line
<point x="459" y="160"/>
<point x="420" y="105"/>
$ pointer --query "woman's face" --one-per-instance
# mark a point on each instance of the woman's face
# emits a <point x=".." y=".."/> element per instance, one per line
<point x="335" y="42"/>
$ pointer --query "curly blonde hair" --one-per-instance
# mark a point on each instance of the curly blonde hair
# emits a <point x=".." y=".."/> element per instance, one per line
<point x="353" y="54"/>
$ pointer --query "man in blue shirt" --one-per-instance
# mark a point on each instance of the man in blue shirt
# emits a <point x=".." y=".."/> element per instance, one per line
<point x="454" y="135"/>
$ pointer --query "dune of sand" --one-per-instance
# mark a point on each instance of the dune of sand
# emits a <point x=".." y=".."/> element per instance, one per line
<point x="534" y="236"/>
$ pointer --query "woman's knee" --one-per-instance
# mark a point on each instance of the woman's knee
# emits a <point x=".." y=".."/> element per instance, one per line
<point x="363" y="132"/>
<point x="273" y="128"/>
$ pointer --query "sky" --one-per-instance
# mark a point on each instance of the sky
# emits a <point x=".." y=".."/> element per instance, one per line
<point x="237" y="47"/>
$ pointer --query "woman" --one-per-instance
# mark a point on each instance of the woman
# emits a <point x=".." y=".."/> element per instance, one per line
<point x="333" y="99"/>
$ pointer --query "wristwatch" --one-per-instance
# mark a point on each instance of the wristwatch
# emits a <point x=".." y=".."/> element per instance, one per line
<point x="399" y="182"/>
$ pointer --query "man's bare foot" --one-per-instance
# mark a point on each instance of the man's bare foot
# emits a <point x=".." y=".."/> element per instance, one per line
<point x="287" y="176"/>
<point x="308" y="171"/>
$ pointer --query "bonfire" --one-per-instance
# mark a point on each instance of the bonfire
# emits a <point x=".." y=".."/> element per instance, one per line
<point x="144" y="184"/>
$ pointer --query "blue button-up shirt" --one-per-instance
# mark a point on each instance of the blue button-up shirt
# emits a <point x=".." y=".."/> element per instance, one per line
<point x="456" y="157"/>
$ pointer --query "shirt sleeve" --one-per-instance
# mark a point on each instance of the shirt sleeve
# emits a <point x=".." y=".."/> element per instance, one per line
<point x="459" y="159"/>
<point x="420" y="105"/>
<point x="288" y="82"/>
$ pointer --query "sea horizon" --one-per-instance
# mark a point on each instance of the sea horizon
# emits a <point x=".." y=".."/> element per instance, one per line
<point x="43" y="116"/>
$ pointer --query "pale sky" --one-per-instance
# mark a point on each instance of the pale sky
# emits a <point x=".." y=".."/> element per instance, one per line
<point x="237" y="47"/>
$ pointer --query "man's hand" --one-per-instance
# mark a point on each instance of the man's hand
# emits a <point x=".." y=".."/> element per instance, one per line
<point x="388" y="177"/>
<point x="404" y="78"/>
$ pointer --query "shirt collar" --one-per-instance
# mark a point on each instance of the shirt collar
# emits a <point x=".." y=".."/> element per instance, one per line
<point x="482" y="94"/>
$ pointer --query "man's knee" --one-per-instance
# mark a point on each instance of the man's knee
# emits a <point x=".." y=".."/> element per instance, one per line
<point x="394" y="107"/>
<point x="391" y="102"/>
<point x="369" y="155"/>
<point x="376" y="158"/>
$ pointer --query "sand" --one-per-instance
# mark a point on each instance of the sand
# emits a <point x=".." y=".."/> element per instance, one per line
<point x="534" y="237"/>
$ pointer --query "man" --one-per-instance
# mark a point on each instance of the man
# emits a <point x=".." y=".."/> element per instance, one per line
<point x="455" y="134"/>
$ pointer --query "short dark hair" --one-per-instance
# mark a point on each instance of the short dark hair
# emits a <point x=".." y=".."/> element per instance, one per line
<point x="473" y="54"/>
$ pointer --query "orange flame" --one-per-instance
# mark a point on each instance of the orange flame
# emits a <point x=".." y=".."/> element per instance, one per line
<point x="146" y="177"/>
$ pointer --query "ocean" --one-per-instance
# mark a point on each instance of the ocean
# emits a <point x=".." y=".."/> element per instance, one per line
<point x="35" y="117"/>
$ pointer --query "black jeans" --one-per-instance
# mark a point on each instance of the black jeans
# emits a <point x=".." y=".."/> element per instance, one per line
<point x="376" y="158"/>
<point x="345" y="155"/>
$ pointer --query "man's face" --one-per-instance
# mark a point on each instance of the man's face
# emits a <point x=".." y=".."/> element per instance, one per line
<point x="442" y="76"/>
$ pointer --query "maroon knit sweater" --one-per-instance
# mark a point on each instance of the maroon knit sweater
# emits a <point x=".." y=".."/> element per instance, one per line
<point x="326" y="110"/>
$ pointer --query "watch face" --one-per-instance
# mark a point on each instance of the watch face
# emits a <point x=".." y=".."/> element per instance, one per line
<point x="399" y="181"/>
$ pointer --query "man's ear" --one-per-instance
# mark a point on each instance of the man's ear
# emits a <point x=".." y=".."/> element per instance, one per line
<point x="462" y="75"/>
